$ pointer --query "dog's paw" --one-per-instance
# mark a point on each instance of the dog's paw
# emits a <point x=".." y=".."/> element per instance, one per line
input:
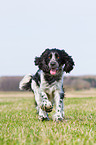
<point x="42" y="118"/>
<point x="57" y="117"/>
<point x="46" y="105"/>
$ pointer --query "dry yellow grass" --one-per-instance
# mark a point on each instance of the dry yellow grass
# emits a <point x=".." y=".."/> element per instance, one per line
<point x="68" y="94"/>
<point x="16" y="94"/>
<point x="81" y="93"/>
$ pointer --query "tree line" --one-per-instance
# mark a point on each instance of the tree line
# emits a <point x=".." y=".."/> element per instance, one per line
<point x="80" y="82"/>
<point x="77" y="83"/>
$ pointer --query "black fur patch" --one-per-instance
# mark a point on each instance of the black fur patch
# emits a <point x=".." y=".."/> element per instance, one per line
<point x="36" y="78"/>
<point x="51" y="79"/>
<point x="61" y="95"/>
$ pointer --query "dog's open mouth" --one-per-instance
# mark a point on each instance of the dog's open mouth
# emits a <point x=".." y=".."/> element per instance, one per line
<point x="53" y="71"/>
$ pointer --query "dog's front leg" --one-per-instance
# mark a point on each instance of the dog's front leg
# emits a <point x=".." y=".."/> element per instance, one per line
<point x="46" y="105"/>
<point x="42" y="114"/>
<point x="59" y="106"/>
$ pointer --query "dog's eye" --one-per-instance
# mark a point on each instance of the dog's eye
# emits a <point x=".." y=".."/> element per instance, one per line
<point x="50" y="56"/>
<point x="57" y="56"/>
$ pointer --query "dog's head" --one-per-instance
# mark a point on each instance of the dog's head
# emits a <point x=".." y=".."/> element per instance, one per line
<point x="52" y="60"/>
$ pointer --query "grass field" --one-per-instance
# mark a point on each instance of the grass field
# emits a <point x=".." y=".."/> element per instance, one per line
<point x="19" y="124"/>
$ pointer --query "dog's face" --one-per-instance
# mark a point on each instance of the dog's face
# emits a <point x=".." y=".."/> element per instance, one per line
<point x="52" y="60"/>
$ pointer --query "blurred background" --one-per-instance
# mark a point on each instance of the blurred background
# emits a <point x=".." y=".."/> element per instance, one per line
<point x="27" y="28"/>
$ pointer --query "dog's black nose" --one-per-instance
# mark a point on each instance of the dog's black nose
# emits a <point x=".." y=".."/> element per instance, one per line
<point x="53" y="63"/>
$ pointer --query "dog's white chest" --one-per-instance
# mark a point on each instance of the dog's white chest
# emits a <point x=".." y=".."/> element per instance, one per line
<point x="49" y="89"/>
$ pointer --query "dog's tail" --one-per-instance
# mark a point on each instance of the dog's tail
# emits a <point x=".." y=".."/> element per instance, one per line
<point x="25" y="83"/>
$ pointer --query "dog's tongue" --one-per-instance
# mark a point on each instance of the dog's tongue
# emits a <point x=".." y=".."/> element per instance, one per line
<point x="53" y="72"/>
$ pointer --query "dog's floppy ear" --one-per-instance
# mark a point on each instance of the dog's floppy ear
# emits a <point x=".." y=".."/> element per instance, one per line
<point x="40" y="61"/>
<point x="68" y="61"/>
<point x="37" y="60"/>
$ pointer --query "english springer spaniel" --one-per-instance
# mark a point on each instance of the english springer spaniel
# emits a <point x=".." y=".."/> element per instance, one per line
<point x="47" y="83"/>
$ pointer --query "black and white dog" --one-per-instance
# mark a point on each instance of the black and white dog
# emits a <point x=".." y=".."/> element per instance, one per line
<point x="47" y="83"/>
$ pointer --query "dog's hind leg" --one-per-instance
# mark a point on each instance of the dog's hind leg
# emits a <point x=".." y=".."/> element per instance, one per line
<point x="25" y="83"/>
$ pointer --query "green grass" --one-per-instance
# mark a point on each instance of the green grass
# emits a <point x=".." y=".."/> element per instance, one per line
<point x="19" y="124"/>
